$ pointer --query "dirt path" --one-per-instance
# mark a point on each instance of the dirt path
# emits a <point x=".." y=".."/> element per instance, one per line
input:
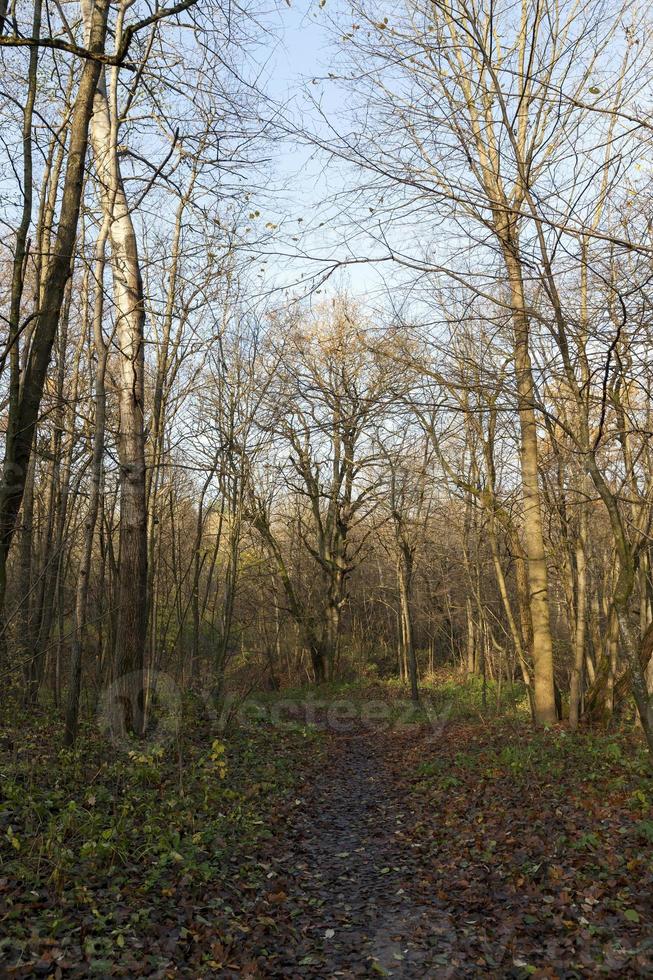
<point x="479" y="870"/>
<point x="349" y="881"/>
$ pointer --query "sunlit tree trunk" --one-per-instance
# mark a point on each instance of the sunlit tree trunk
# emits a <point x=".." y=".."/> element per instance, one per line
<point x="130" y="363"/>
<point x="542" y="646"/>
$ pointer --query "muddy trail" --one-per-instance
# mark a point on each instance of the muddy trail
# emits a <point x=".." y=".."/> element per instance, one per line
<point x="348" y="883"/>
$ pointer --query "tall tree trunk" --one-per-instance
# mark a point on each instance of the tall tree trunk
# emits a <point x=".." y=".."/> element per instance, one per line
<point x="128" y="665"/>
<point x="542" y="649"/>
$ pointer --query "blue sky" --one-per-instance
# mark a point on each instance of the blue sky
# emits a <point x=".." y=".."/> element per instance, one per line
<point x="301" y="49"/>
<point x="303" y="182"/>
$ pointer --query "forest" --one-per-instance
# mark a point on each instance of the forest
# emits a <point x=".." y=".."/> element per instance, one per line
<point x="326" y="502"/>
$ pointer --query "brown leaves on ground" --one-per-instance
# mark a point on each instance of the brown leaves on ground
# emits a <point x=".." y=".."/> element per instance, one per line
<point x="538" y="845"/>
<point x="487" y="850"/>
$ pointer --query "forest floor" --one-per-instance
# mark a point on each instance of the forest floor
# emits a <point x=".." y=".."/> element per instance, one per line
<point x="347" y="838"/>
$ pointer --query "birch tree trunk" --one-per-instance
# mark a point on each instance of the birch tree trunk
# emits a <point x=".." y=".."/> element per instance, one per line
<point x="129" y="343"/>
